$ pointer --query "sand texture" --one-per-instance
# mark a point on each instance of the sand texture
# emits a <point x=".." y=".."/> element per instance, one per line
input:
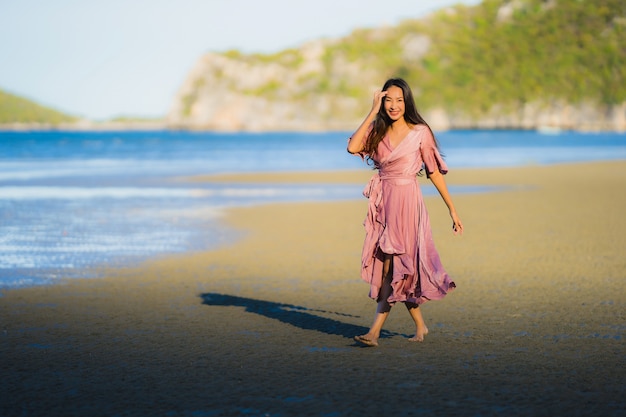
<point x="264" y="327"/>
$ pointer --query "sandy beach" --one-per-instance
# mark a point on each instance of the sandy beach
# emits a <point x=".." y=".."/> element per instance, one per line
<point x="264" y="327"/>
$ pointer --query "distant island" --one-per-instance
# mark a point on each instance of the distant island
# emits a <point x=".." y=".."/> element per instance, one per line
<point x="19" y="113"/>
<point x="15" y="110"/>
<point x="519" y="64"/>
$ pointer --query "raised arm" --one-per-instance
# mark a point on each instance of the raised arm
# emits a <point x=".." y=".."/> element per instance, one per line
<point x="440" y="184"/>
<point x="357" y="140"/>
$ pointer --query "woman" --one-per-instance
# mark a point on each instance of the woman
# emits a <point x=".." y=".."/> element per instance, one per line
<point x="399" y="258"/>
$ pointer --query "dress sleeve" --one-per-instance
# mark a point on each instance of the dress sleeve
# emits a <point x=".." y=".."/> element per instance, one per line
<point x="430" y="154"/>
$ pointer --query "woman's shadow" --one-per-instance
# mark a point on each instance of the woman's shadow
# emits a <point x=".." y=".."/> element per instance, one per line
<point x="288" y="313"/>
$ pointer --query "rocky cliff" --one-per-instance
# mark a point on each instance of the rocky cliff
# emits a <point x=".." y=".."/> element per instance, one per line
<point x="530" y="64"/>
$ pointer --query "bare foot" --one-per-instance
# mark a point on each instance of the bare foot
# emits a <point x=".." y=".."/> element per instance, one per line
<point x="367" y="340"/>
<point x="419" y="335"/>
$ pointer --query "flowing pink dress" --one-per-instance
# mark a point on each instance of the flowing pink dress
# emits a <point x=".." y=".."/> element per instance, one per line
<point x="397" y="222"/>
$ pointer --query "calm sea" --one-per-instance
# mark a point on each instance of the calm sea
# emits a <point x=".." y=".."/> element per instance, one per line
<point x="74" y="200"/>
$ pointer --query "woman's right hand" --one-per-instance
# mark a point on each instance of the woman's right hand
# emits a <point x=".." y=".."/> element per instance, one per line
<point x="378" y="100"/>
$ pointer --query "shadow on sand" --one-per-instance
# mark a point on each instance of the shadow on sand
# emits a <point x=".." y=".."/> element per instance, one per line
<point x="298" y="316"/>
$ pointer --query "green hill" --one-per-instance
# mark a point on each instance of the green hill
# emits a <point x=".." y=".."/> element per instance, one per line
<point x="514" y="52"/>
<point x="504" y="52"/>
<point x="499" y="64"/>
<point x="15" y="109"/>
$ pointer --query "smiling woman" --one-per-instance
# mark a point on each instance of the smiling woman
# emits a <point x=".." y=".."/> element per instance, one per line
<point x="399" y="259"/>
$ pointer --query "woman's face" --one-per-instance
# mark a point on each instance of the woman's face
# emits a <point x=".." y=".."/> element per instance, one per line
<point x="394" y="103"/>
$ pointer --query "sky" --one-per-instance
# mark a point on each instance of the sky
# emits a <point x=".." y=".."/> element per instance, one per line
<point x="100" y="59"/>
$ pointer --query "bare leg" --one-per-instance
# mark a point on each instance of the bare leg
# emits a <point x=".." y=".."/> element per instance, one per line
<point x="383" y="307"/>
<point x="416" y="314"/>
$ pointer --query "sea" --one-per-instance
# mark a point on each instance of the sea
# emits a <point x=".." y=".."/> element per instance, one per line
<point x="72" y="202"/>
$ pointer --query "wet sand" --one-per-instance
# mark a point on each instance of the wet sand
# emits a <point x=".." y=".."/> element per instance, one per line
<point x="264" y="327"/>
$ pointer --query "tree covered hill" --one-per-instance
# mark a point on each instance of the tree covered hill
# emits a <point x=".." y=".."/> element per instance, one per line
<point x="516" y="52"/>
<point x="499" y="64"/>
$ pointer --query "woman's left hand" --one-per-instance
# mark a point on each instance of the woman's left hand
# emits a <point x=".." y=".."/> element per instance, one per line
<point x="457" y="226"/>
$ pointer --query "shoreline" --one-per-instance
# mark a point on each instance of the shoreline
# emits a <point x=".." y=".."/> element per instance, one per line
<point x="500" y="179"/>
<point x="265" y="325"/>
<point x="151" y="126"/>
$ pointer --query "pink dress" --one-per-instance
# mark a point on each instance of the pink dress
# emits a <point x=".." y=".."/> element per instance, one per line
<point x="397" y="222"/>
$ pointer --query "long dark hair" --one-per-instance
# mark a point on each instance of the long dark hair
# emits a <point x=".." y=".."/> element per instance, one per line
<point x="382" y="121"/>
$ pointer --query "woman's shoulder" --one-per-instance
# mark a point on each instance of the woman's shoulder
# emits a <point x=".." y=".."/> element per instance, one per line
<point x="420" y="130"/>
<point x="418" y="127"/>
<point x="423" y="134"/>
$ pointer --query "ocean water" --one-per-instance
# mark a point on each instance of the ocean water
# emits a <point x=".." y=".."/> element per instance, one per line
<point x="71" y="201"/>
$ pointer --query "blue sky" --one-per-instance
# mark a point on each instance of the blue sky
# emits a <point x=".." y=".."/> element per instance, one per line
<point x="105" y="58"/>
